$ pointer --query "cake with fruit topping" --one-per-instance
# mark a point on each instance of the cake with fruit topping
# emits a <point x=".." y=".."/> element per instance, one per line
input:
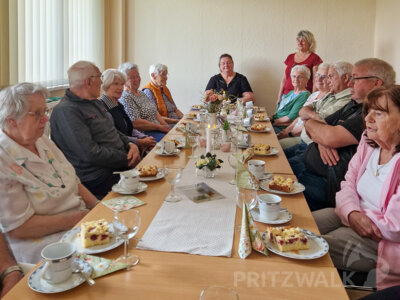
<point x="148" y="171"/>
<point x="261" y="149"/>
<point x="280" y="183"/>
<point x="258" y="127"/>
<point x="288" y="238"/>
<point x="95" y="233"/>
<point x="259" y="117"/>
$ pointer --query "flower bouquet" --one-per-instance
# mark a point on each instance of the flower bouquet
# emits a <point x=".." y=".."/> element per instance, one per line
<point x="213" y="100"/>
<point x="208" y="163"/>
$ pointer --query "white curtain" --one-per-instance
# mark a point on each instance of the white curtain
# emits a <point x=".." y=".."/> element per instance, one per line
<point x="52" y="35"/>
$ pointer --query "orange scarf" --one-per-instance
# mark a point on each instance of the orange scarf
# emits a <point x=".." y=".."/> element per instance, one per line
<point x="162" y="108"/>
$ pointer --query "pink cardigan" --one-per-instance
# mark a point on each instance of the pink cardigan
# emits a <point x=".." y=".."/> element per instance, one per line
<point x="387" y="219"/>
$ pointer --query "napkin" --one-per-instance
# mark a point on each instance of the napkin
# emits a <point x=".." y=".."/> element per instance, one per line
<point x="123" y="203"/>
<point x="250" y="238"/>
<point x="101" y="266"/>
<point x="244" y="178"/>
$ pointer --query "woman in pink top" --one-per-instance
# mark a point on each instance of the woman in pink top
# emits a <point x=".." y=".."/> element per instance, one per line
<point x="304" y="56"/>
<point x="363" y="231"/>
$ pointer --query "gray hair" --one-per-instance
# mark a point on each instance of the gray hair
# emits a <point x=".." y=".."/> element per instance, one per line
<point x="342" y="67"/>
<point x="324" y="65"/>
<point x="302" y="69"/>
<point x="14" y="100"/>
<point x="157" y="69"/>
<point x="127" y="66"/>
<point x="79" y="72"/>
<point x="309" y="37"/>
<point x="108" y="78"/>
<point x="379" y="68"/>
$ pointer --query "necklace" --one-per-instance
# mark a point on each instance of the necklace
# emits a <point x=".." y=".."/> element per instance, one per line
<point x="55" y="175"/>
<point x="378" y="167"/>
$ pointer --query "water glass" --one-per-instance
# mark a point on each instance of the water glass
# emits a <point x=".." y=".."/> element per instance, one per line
<point x="173" y="176"/>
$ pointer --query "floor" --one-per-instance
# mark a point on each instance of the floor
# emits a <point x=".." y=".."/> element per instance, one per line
<point x="356" y="294"/>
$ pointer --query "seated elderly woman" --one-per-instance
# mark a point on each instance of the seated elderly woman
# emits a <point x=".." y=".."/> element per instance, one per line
<point x="113" y="86"/>
<point x="41" y="196"/>
<point x="234" y="84"/>
<point x="290" y="136"/>
<point x="138" y="106"/>
<point x="158" y="92"/>
<point x="288" y="107"/>
<point x="363" y="231"/>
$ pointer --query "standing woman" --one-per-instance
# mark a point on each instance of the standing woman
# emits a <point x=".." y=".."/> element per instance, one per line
<point x="233" y="83"/>
<point x="305" y="55"/>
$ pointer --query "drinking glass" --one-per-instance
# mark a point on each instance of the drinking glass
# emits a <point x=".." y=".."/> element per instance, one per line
<point x="248" y="195"/>
<point x="232" y="160"/>
<point x="194" y="141"/>
<point x="218" y="293"/>
<point x="173" y="176"/>
<point x="126" y="226"/>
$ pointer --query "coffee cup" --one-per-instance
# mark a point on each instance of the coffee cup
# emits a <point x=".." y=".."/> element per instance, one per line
<point x="57" y="259"/>
<point x="167" y="147"/>
<point x="269" y="206"/>
<point x="249" y="104"/>
<point x="129" y="180"/>
<point x="249" y="112"/>
<point x="246" y="122"/>
<point x="256" y="167"/>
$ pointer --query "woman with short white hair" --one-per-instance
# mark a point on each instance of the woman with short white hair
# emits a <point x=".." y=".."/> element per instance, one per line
<point x="287" y="109"/>
<point x="113" y="86"/>
<point x="41" y="196"/>
<point x="158" y="92"/>
<point x="142" y="112"/>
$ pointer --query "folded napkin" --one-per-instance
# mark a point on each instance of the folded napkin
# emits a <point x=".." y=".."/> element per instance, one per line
<point x="123" y="203"/>
<point x="244" y="178"/>
<point x="250" y="238"/>
<point x="101" y="266"/>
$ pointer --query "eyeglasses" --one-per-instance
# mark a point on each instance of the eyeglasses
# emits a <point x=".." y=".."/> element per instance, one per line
<point x="352" y="78"/>
<point x="320" y="76"/>
<point x="99" y="76"/>
<point x="38" y="115"/>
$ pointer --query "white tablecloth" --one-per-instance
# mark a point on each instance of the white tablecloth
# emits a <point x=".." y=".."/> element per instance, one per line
<point x="204" y="228"/>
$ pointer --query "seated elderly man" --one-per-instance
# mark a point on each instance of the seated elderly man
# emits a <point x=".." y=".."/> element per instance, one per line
<point x="335" y="139"/>
<point x="288" y="107"/>
<point x="157" y="91"/>
<point x="339" y="95"/>
<point x="82" y="130"/>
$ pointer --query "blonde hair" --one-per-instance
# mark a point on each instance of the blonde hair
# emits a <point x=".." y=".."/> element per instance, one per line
<point x="309" y="37"/>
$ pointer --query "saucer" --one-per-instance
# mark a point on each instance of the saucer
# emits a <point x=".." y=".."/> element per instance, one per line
<point x="158" y="152"/>
<point x="40" y="285"/>
<point x="284" y="216"/>
<point x="118" y="189"/>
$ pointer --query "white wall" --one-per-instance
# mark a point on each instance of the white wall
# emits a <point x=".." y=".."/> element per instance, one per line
<point x="387" y="39"/>
<point x="189" y="35"/>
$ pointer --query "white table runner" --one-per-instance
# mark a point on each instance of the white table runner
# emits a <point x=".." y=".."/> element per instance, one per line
<point x="204" y="228"/>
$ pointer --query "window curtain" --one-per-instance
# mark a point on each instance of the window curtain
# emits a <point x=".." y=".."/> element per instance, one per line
<point x="47" y="36"/>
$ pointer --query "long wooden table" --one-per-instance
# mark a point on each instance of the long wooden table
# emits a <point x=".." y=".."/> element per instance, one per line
<point x="162" y="275"/>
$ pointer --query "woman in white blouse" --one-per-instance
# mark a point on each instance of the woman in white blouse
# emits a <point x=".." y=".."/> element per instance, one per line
<point x="41" y="196"/>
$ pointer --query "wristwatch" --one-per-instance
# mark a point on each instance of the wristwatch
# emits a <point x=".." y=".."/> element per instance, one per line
<point x="8" y="271"/>
<point x="290" y="134"/>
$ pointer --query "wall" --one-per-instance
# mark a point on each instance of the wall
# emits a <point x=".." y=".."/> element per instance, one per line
<point x="189" y="36"/>
<point x="387" y="23"/>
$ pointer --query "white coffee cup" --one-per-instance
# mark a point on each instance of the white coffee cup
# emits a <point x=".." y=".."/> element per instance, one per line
<point x="249" y="112"/>
<point x="269" y="206"/>
<point x="57" y="259"/>
<point x="167" y="147"/>
<point x="256" y="167"/>
<point x="246" y="122"/>
<point x="249" y="104"/>
<point x="129" y="180"/>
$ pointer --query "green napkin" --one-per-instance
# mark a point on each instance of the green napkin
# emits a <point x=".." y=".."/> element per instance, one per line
<point x="250" y="238"/>
<point x="244" y="179"/>
<point x="123" y="203"/>
<point x="101" y="266"/>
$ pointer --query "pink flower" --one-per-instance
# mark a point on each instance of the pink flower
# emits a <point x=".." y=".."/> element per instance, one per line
<point x="213" y="98"/>
<point x="16" y="168"/>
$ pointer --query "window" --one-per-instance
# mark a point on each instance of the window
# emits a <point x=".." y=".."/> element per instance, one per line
<point x="47" y="36"/>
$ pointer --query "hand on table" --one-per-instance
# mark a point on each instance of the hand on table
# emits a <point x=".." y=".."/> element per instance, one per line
<point x="364" y="226"/>
<point x="164" y="128"/>
<point x="146" y="142"/>
<point x="133" y="155"/>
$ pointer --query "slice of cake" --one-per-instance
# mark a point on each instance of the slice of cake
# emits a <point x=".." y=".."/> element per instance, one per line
<point x="280" y="183"/>
<point x="288" y="238"/>
<point x="258" y="127"/>
<point x="95" y="233"/>
<point x="262" y="149"/>
<point x="148" y="171"/>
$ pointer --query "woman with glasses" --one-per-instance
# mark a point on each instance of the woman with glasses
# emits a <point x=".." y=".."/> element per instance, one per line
<point x="287" y="109"/>
<point x="160" y="95"/>
<point x="41" y="196"/>
<point x="290" y="136"/>
<point x="304" y="55"/>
